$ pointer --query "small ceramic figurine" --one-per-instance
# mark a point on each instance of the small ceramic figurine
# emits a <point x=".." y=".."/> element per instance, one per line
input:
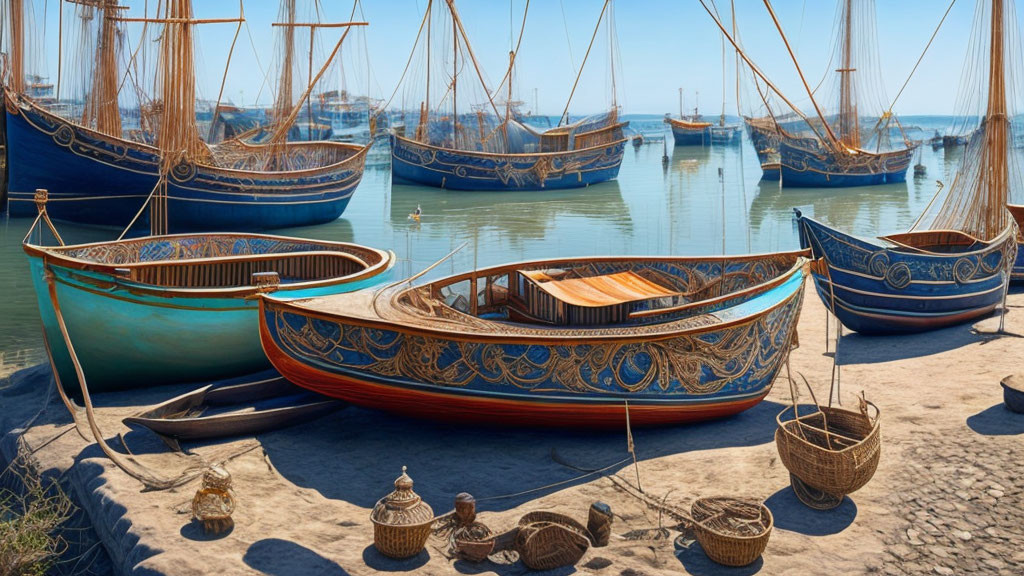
<point x="215" y="501"/>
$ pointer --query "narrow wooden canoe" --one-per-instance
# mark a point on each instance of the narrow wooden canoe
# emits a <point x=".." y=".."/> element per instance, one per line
<point x="474" y="347"/>
<point x="236" y="407"/>
<point x="180" y="308"/>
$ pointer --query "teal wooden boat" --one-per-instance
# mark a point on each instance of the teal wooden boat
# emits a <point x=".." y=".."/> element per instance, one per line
<point x="179" y="308"/>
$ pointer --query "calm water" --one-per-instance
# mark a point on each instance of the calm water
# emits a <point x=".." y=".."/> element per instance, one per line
<point x="683" y="208"/>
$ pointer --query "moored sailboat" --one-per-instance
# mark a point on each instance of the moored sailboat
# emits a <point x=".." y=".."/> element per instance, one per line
<point x="95" y="175"/>
<point x="954" y="265"/>
<point x="587" y="342"/>
<point x="689" y="130"/>
<point x="482" y="148"/>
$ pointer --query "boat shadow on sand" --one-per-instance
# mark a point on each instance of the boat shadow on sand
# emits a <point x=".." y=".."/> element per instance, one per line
<point x="997" y="420"/>
<point x="355" y="454"/>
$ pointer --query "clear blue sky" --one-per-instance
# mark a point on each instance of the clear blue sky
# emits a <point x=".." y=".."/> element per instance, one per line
<point x="664" y="44"/>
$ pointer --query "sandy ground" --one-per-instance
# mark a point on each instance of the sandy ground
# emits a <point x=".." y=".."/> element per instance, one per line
<point x="948" y="497"/>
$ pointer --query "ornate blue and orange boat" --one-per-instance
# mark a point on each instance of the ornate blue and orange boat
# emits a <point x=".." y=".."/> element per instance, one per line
<point x="955" y="263"/>
<point x="563" y="343"/>
<point x="95" y="175"/>
<point x="490" y="149"/>
<point x="807" y="162"/>
<point x="178" y="308"/>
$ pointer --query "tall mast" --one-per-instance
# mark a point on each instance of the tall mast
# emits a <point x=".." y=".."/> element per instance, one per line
<point x="285" y="97"/>
<point x="849" y="124"/>
<point x="721" y="119"/>
<point x="455" y="76"/>
<point x="681" y="103"/>
<point x="736" y="64"/>
<point x="16" y="46"/>
<point x="997" y="132"/>
<point x="101" y="105"/>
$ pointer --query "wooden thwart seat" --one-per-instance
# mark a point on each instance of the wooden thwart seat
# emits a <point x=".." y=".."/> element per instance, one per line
<point x="602" y="299"/>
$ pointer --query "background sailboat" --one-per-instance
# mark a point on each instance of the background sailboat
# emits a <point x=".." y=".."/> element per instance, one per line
<point x="859" y="142"/>
<point x="96" y="175"/>
<point x="465" y="138"/>
<point x="689" y="129"/>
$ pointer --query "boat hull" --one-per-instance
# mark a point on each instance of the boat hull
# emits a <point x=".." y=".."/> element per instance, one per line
<point x="874" y="289"/>
<point x="96" y="179"/>
<point x="128" y="336"/>
<point x="685" y="135"/>
<point x="802" y="164"/>
<point x="583" y="382"/>
<point x="413" y="161"/>
<point x="725" y="135"/>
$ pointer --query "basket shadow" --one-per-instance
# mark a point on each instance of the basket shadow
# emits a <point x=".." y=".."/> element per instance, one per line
<point x="277" y="557"/>
<point x="380" y="562"/>
<point x="356" y="454"/>
<point x="997" y="420"/>
<point x="793" y="515"/>
<point x="696" y="562"/>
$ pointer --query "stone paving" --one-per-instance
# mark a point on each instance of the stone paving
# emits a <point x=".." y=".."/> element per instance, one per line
<point x="962" y="503"/>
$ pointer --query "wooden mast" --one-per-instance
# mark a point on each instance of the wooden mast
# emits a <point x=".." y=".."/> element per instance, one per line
<point x="849" y="123"/>
<point x="994" y="161"/>
<point x="16" y="47"/>
<point x="455" y="77"/>
<point x="101" y="107"/>
<point x="285" y="97"/>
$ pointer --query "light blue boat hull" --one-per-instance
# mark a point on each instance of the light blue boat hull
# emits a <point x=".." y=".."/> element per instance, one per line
<point x="124" y="339"/>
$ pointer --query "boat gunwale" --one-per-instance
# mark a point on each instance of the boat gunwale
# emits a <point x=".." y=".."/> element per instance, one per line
<point x="515" y="154"/>
<point x="686" y="124"/>
<point x="53" y="255"/>
<point x="17" y="101"/>
<point x="987" y="245"/>
<point x="550" y="335"/>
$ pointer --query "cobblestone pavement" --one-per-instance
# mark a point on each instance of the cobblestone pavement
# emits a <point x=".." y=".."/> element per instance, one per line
<point x="961" y="499"/>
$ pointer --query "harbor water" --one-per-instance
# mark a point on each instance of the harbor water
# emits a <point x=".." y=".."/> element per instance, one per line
<point x="701" y="201"/>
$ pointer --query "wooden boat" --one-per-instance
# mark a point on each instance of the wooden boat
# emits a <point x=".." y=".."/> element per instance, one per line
<point x="907" y="282"/>
<point x="764" y="136"/>
<point x="833" y="150"/>
<point x="493" y="150"/>
<point x="94" y="175"/>
<point x="1017" y="274"/>
<point x="565" y="343"/>
<point x="179" y="308"/>
<point x="690" y="132"/>
<point x="952" y="269"/>
<point x="238" y="407"/>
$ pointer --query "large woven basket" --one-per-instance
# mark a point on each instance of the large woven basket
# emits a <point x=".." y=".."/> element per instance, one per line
<point x="732" y="531"/>
<point x="547" y="540"/>
<point x="400" y="541"/>
<point x="833" y="450"/>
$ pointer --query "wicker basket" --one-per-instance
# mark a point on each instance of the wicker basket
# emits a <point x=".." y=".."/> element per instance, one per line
<point x="833" y="450"/>
<point x="547" y="540"/>
<point x="733" y="532"/>
<point x="1013" y="393"/>
<point x="474" y="543"/>
<point x="401" y="521"/>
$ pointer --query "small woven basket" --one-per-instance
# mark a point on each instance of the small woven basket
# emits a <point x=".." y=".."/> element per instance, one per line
<point x="833" y="450"/>
<point x="547" y="540"/>
<point x="402" y="521"/>
<point x="474" y="543"/>
<point x="732" y="531"/>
